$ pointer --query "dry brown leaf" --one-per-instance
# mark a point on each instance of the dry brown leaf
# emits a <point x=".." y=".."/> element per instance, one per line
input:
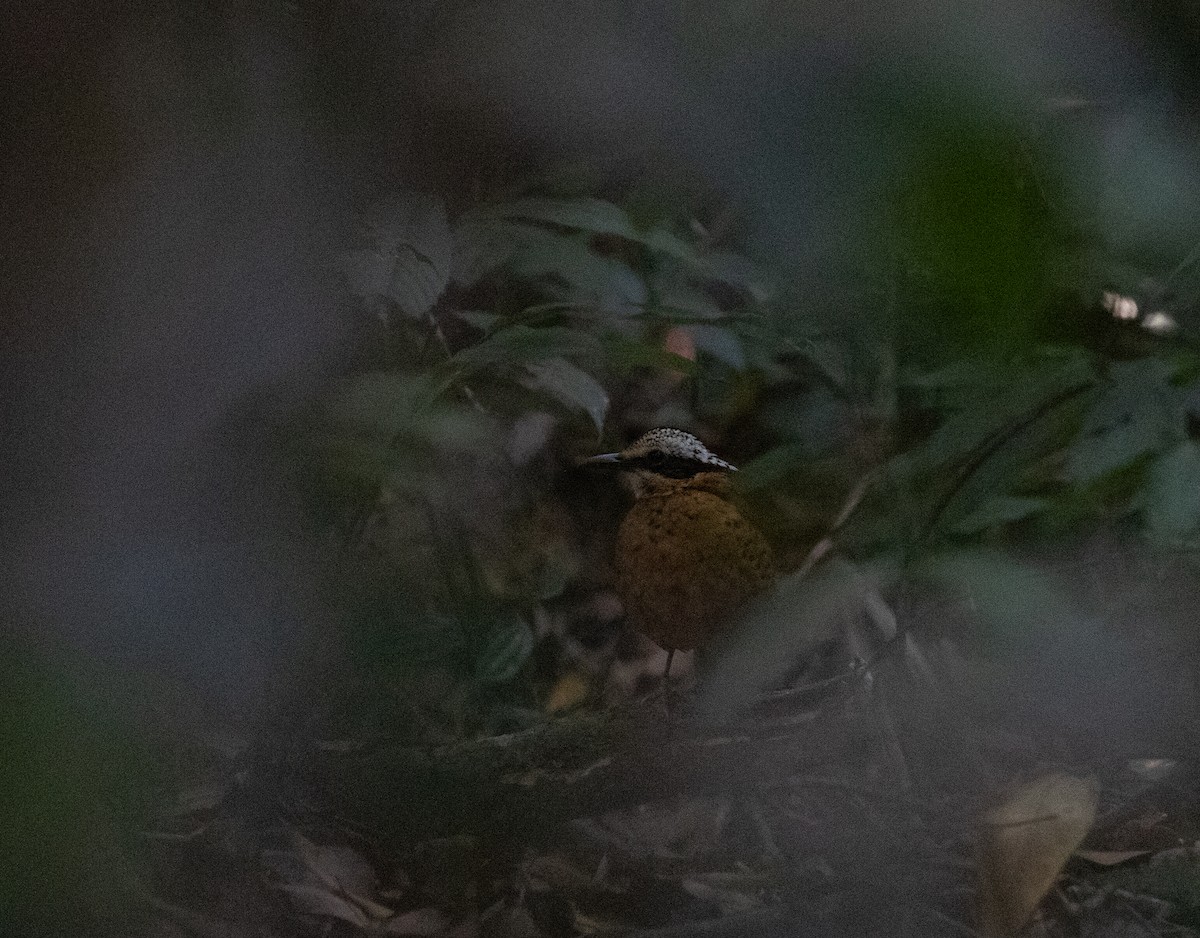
<point x="317" y="900"/>
<point x="344" y="872"/>
<point x="1110" y="857"/>
<point x="569" y="690"/>
<point x="1026" y="840"/>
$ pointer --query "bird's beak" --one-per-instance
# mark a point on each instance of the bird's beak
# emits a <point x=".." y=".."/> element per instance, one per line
<point x="604" y="459"/>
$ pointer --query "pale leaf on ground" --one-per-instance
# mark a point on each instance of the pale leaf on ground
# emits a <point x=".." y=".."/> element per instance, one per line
<point x="1110" y="857"/>
<point x="1026" y="840"/>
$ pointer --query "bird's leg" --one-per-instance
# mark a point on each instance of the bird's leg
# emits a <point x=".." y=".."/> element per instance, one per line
<point x="666" y="680"/>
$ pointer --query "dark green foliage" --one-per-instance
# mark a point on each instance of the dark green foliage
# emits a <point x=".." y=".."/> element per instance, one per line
<point x="523" y="330"/>
<point x="511" y="326"/>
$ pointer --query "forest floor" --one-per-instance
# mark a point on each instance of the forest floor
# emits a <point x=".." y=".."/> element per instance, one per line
<point x="881" y="801"/>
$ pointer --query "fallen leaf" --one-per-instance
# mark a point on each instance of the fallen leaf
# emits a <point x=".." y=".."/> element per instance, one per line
<point x="569" y="690"/>
<point x="1026" y="840"/>
<point x="320" y="901"/>
<point x="346" y="880"/>
<point x="1110" y="857"/>
<point x="340" y="868"/>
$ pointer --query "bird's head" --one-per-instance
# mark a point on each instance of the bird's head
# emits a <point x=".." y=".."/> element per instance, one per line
<point x="657" y="458"/>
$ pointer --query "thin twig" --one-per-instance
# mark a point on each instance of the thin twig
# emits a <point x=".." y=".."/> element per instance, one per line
<point x="825" y="545"/>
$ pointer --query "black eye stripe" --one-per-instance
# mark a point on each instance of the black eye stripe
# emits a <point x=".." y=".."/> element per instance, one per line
<point x="674" y="467"/>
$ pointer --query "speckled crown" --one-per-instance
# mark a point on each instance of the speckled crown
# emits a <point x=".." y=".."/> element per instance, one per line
<point x="674" y="442"/>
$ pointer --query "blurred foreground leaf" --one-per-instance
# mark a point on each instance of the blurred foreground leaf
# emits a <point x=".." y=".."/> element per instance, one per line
<point x="1026" y="841"/>
<point x="998" y="510"/>
<point x="1172" y="500"/>
<point x="1014" y="600"/>
<point x="978" y="236"/>
<point x="1136" y="412"/>
<point x="795" y="616"/>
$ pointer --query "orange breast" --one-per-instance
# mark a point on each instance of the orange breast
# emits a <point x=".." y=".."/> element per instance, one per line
<point x="687" y="561"/>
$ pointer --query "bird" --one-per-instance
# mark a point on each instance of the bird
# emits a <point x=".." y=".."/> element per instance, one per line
<point x="687" y="560"/>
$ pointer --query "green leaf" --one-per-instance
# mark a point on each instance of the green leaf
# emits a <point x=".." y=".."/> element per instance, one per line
<point x="520" y="344"/>
<point x="963" y="372"/>
<point x="1172" y="498"/>
<point x="661" y="241"/>
<point x="569" y="385"/>
<point x="1136" y="413"/>
<point x="1006" y="465"/>
<point x="772" y="466"/>
<point x="507" y="648"/>
<point x="1000" y="398"/>
<point x="483" y="244"/>
<point x="997" y="511"/>
<point x="384" y="401"/>
<point x="623" y="354"/>
<point x="778" y="629"/>
<point x="830" y="358"/>
<point x="684" y="303"/>
<point x="410" y="256"/>
<point x="738" y="271"/>
<point x="593" y="215"/>
<point x="604" y="282"/>
<point x="721" y="344"/>
<point x="966" y="383"/>
<point x="480" y="320"/>
<point x="385" y="405"/>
